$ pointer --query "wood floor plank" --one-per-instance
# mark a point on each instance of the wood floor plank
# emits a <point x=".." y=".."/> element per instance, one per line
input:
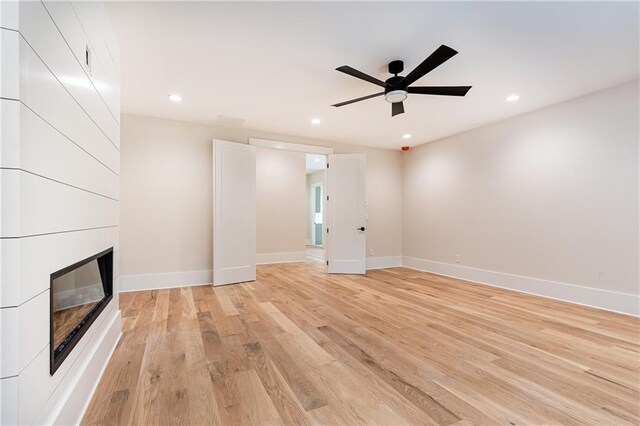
<point x="145" y="399"/>
<point x="119" y="385"/>
<point x="255" y="405"/>
<point x="294" y="374"/>
<point x="397" y="346"/>
<point x="283" y="398"/>
<point x="301" y="339"/>
<point x="417" y="396"/>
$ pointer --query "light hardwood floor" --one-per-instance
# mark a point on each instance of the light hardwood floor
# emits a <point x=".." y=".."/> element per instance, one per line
<point x="393" y="347"/>
<point x="315" y="253"/>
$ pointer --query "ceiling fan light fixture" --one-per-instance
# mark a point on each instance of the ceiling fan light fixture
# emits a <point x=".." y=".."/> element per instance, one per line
<point x="395" y="96"/>
<point x="397" y="88"/>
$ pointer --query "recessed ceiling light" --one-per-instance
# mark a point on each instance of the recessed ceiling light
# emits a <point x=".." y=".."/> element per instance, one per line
<point x="406" y="136"/>
<point x="175" y="98"/>
<point x="512" y="98"/>
<point x="315" y="121"/>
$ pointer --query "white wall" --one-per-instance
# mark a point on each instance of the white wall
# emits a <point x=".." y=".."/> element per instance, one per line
<point x="166" y="197"/>
<point x="59" y="190"/>
<point x="165" y="205"/>
<point x="550" y="195"/>
<point x="280" y="205"/>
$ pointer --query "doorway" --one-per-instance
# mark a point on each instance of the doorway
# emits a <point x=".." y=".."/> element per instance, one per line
<point x="315" y="169"/>
<point x="317" y="237"/>
<point x="335" y="214"/>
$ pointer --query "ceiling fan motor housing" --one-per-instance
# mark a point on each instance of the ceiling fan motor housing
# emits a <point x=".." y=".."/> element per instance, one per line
<point x="394" y="83"/>
<point x="396" y="67"/>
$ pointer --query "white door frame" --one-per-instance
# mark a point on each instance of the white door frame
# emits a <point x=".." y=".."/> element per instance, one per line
<point x="242" y="267"/>
<point x="288" y="146"/>
<point x="313" y="211"/>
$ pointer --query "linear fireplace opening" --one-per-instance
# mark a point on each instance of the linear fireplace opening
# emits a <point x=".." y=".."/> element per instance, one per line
<point x="79" y="293"/>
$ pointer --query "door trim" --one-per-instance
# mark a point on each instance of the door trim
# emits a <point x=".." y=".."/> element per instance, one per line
<point x="288" y="146"/>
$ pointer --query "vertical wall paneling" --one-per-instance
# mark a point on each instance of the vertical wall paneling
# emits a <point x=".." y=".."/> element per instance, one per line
<point x="9" y="15"/>
<point x="103" y="73"/>
<point x="42" y="34"/>
<point x="59" y="196"/>
<point x="10" y="64"/>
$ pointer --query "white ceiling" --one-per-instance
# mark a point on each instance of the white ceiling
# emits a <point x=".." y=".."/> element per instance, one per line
<point x="272" y="64"/>
<point x="316" y="162"/>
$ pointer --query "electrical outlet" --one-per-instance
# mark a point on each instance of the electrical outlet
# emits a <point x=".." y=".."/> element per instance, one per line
<point x="88" y="59"/>
<point x="458" y="259"/>
<point x="370" y="252"/>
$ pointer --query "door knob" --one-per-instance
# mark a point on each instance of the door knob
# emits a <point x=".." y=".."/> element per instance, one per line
<point x="360" y="229"/>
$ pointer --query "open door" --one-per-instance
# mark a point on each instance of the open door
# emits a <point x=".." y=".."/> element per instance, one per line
<point x="234" y="212"/>
<point x="346" y="214"/>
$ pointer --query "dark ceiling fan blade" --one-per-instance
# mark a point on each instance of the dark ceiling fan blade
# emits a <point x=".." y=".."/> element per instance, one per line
<point x="440" y="90"/>
<point x="437" y="58"/>
<point x="397" y="108"/>
<point x="359" y="74"/>
<point x="364" y="98"/>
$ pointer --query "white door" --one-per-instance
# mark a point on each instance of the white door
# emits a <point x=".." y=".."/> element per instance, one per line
<point x="346" y="214"/>
<point x="234" y="212"/>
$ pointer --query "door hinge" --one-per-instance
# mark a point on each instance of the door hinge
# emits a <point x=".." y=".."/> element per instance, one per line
<point x="327" y="263"/>
<point x="327" y="165"/>
<point x="327" y="198"/>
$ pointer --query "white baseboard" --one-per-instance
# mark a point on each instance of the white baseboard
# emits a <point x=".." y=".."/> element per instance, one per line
<point x="193" y="278"/>
<point x="603" y="299"/>
<point x="384" y="262"/>
<point x="164" y="280"/>
<point x="287" y="257"/>
<point x="597" y="298"/>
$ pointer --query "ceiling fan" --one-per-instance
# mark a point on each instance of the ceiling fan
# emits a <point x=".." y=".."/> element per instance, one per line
<point x="397" y="88"/>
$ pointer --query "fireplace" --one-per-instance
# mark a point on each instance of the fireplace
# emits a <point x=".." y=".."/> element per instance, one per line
<point x="78" y="294"/>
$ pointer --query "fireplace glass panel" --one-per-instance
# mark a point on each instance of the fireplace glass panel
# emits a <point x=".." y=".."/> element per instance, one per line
<point x="75" y="294"/>
<point x="78" y="294"/>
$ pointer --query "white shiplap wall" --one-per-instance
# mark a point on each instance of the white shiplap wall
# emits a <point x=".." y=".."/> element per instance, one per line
<point x="59" y="191"/>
